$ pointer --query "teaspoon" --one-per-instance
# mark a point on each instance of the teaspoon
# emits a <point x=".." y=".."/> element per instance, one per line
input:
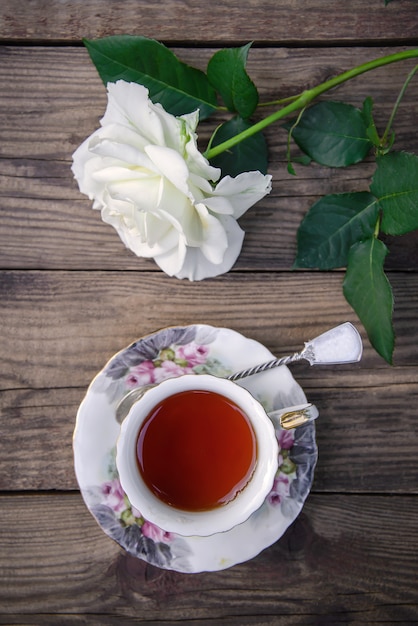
<point x="339" y="345"/>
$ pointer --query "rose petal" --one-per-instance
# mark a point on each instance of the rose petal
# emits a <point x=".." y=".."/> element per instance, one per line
<point x="180" y="212"/>
<point x="220" y="205"/>
<point x="133" y="234"/>
<point x="170" y="165"/>
<point x="244" y="190"/>
<point x="172" y="261"/>
<point x="144" y="171"/>
<point x="196" y="266"/>
<point x="143" y="193"/>
<point x="214" y="238"/>
<point x="199" y="165"/>
<point x="121" y="154"/>
<point x="129" y="105"/>
<point x="122" y="136"/>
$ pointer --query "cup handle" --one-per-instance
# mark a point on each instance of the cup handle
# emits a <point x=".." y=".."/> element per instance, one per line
<point x="293" y="416"/>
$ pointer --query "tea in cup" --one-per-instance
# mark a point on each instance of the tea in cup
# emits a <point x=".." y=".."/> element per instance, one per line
<point x="197" y="455"/>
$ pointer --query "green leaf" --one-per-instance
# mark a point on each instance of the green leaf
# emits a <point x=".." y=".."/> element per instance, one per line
<point x="227" y="74"/>
<point x="248" y="155"/>
<point x="332" y="134"/>
<point x="395" y="184"/>
<point x="290" y="167"/>
<point x="368" y="291"/>
<point x="371" y="131"/>
<point x="291" y="170"/>
<point x="303" y="159"/>
<point x="331" y="226"/>
<point x="388" y="144"/>
<point x="177" y="86"/>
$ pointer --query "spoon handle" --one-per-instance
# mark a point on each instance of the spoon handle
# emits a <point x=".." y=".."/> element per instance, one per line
<point x="257" y="369"/>
<point x="341" y="344"/>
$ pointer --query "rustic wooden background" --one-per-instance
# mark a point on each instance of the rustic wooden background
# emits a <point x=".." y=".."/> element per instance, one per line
<point x="71" y="296"/>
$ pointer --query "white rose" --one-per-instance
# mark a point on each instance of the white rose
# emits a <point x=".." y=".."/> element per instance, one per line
<point x="144" y="172"/>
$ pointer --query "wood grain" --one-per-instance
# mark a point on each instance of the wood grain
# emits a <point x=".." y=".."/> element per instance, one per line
<point x="290" y="22"/>
<point x="71" y="296"/>
<point x="48" y="223"/>
<point x="73" y="98"/>
<point x="345" y="558"/>
<point x="60" y="328"/>
<point x="381" y="460"/>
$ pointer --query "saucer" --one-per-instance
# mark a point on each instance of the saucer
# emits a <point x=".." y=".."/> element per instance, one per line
<point x="198" y="349"/>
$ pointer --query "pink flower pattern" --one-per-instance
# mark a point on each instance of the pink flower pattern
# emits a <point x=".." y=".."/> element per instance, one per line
<point x="176" y="361"/>
<point x="171" y="362"/>
<point x="280" y="490"/>
<point x="192" y="353"/>
<point x="115" y="499"/>
<point x="286" y="439"/>
<point x="155" y="533"/>
<point x="114" y="496"/>
<point x="282" y="482"/>
<point x="142" y="374"/>
<point x="170" y="369"/>
<point x="169" y="353"/>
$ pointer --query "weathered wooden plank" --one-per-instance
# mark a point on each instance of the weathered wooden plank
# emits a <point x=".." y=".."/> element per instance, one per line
<point x="58" y="97"/>
<point x="47" y="223"/>
<point x="59" y="328"/>
<point x="36" y="428"/>
<point x="351" y="555"/>
<point x="345" y="558"/>
<point x="52" y="320"/>
<point x="270" y="21"/>
<point x="65" y="233"/>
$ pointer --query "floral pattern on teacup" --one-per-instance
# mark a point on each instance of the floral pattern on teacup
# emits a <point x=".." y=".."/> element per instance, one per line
<point x="124" y="523"/>
<point x="165" y="354"/>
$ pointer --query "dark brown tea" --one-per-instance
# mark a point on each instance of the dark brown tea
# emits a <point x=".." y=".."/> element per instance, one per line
<point x="196" y="450"/>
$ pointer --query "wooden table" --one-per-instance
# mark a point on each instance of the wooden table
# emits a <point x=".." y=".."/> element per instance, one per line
<point x="72" y="295"/>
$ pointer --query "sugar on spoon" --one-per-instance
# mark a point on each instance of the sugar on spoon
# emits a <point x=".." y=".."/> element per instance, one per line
<point x="339" y="345"/>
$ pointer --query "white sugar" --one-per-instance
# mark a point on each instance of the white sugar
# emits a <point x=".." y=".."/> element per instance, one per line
<point x="338" y="345"/>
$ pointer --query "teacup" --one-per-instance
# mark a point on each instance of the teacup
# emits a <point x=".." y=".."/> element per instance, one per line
<point x="197" y="455"/>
